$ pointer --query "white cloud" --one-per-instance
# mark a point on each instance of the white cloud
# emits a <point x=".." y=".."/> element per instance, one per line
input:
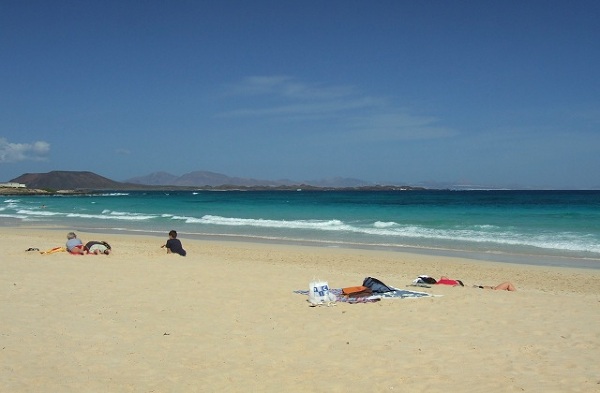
<point x="13" y="152"/>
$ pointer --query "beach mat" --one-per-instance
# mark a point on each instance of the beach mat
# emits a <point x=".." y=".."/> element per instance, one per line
<point x="395" y="294"/>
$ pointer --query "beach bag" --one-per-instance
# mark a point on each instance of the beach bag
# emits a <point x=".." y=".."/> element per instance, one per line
<point x="359" y="291"/>
<point x="318" y="292"/>
<point x="376" y="286"/>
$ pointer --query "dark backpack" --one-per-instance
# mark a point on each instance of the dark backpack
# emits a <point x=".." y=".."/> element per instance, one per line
<point x="376" y="286"/>
<point x="427" y="280"/>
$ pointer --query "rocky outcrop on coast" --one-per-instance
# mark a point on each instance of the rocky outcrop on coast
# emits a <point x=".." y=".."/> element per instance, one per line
<point x="22" y="191"/>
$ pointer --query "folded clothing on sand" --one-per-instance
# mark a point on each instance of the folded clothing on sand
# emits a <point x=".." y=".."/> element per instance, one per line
<point x="359" y="291"/>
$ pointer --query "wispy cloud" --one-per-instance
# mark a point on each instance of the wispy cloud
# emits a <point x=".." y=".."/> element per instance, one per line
<point x="122" y="151"/>
<point x="288" y="87"/>
<point x="13" y="152"/>
<point x="400" y="125"/>
<point x="345" y="108"/>
<point x="284" y="96"/>
<point x="315" y="108"/>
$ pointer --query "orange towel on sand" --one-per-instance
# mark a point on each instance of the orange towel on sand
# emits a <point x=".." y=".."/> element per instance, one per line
<point x="53" y="250"/>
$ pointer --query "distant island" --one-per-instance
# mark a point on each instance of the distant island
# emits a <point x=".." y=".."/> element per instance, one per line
<point x="81" y="182"/>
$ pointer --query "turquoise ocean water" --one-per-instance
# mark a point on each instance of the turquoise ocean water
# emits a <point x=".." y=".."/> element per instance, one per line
<point x="540" y="227"/>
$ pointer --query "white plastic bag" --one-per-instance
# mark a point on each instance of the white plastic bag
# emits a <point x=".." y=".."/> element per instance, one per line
<point x="318" y="293"/>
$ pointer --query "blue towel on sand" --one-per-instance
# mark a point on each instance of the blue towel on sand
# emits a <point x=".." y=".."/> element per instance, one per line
<point x="396" y="293"/>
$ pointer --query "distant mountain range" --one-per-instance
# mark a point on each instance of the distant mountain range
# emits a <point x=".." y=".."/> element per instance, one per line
<point x="212" y="179"/>
<point x="199" y="179"/>
<point x="84" y="181"/>
<point x="74" y="180"/>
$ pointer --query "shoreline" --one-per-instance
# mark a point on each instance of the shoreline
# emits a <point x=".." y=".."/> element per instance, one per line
<point x="499" y="257"/>
<point x="387" y="260"/>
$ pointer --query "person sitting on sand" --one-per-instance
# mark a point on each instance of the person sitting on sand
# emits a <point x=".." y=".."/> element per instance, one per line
<point x="505" y="286"/>
<point x="174" y="245"/>
<point x="74" y="245"/>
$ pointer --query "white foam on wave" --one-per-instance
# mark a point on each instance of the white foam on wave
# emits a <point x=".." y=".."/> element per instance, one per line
<point x="118" y="213"/>
<point x="126" y="217"/>
<point x="14" y="216"/>
<point x="330" y="225"/>
<point x="381" y="224"/>
<point x="396" y="232"/>
<point x="37" y="212"/>
<point x="556" y="241"/>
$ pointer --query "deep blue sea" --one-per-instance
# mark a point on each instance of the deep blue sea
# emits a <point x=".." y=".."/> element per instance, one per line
<point x="547" y="227"/>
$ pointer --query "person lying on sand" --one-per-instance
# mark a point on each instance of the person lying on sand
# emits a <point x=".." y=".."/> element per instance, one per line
<point x="96" y="247"/>
<point x="505" y="286"/>
<point x="74" y="245"/>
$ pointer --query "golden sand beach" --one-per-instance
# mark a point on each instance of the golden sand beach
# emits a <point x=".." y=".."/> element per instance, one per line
<point x="225" y="319"/>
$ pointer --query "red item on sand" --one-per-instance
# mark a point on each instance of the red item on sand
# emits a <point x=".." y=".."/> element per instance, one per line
<point x="447" y="281"/>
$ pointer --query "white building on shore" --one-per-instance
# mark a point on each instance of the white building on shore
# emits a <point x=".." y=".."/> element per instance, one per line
<point x="13" y="185"/>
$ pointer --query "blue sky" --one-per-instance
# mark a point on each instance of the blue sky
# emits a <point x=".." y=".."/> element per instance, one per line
<point x="503" y="93"/>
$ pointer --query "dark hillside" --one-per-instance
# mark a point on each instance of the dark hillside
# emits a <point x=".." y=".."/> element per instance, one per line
<point x="68" y="180"/>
